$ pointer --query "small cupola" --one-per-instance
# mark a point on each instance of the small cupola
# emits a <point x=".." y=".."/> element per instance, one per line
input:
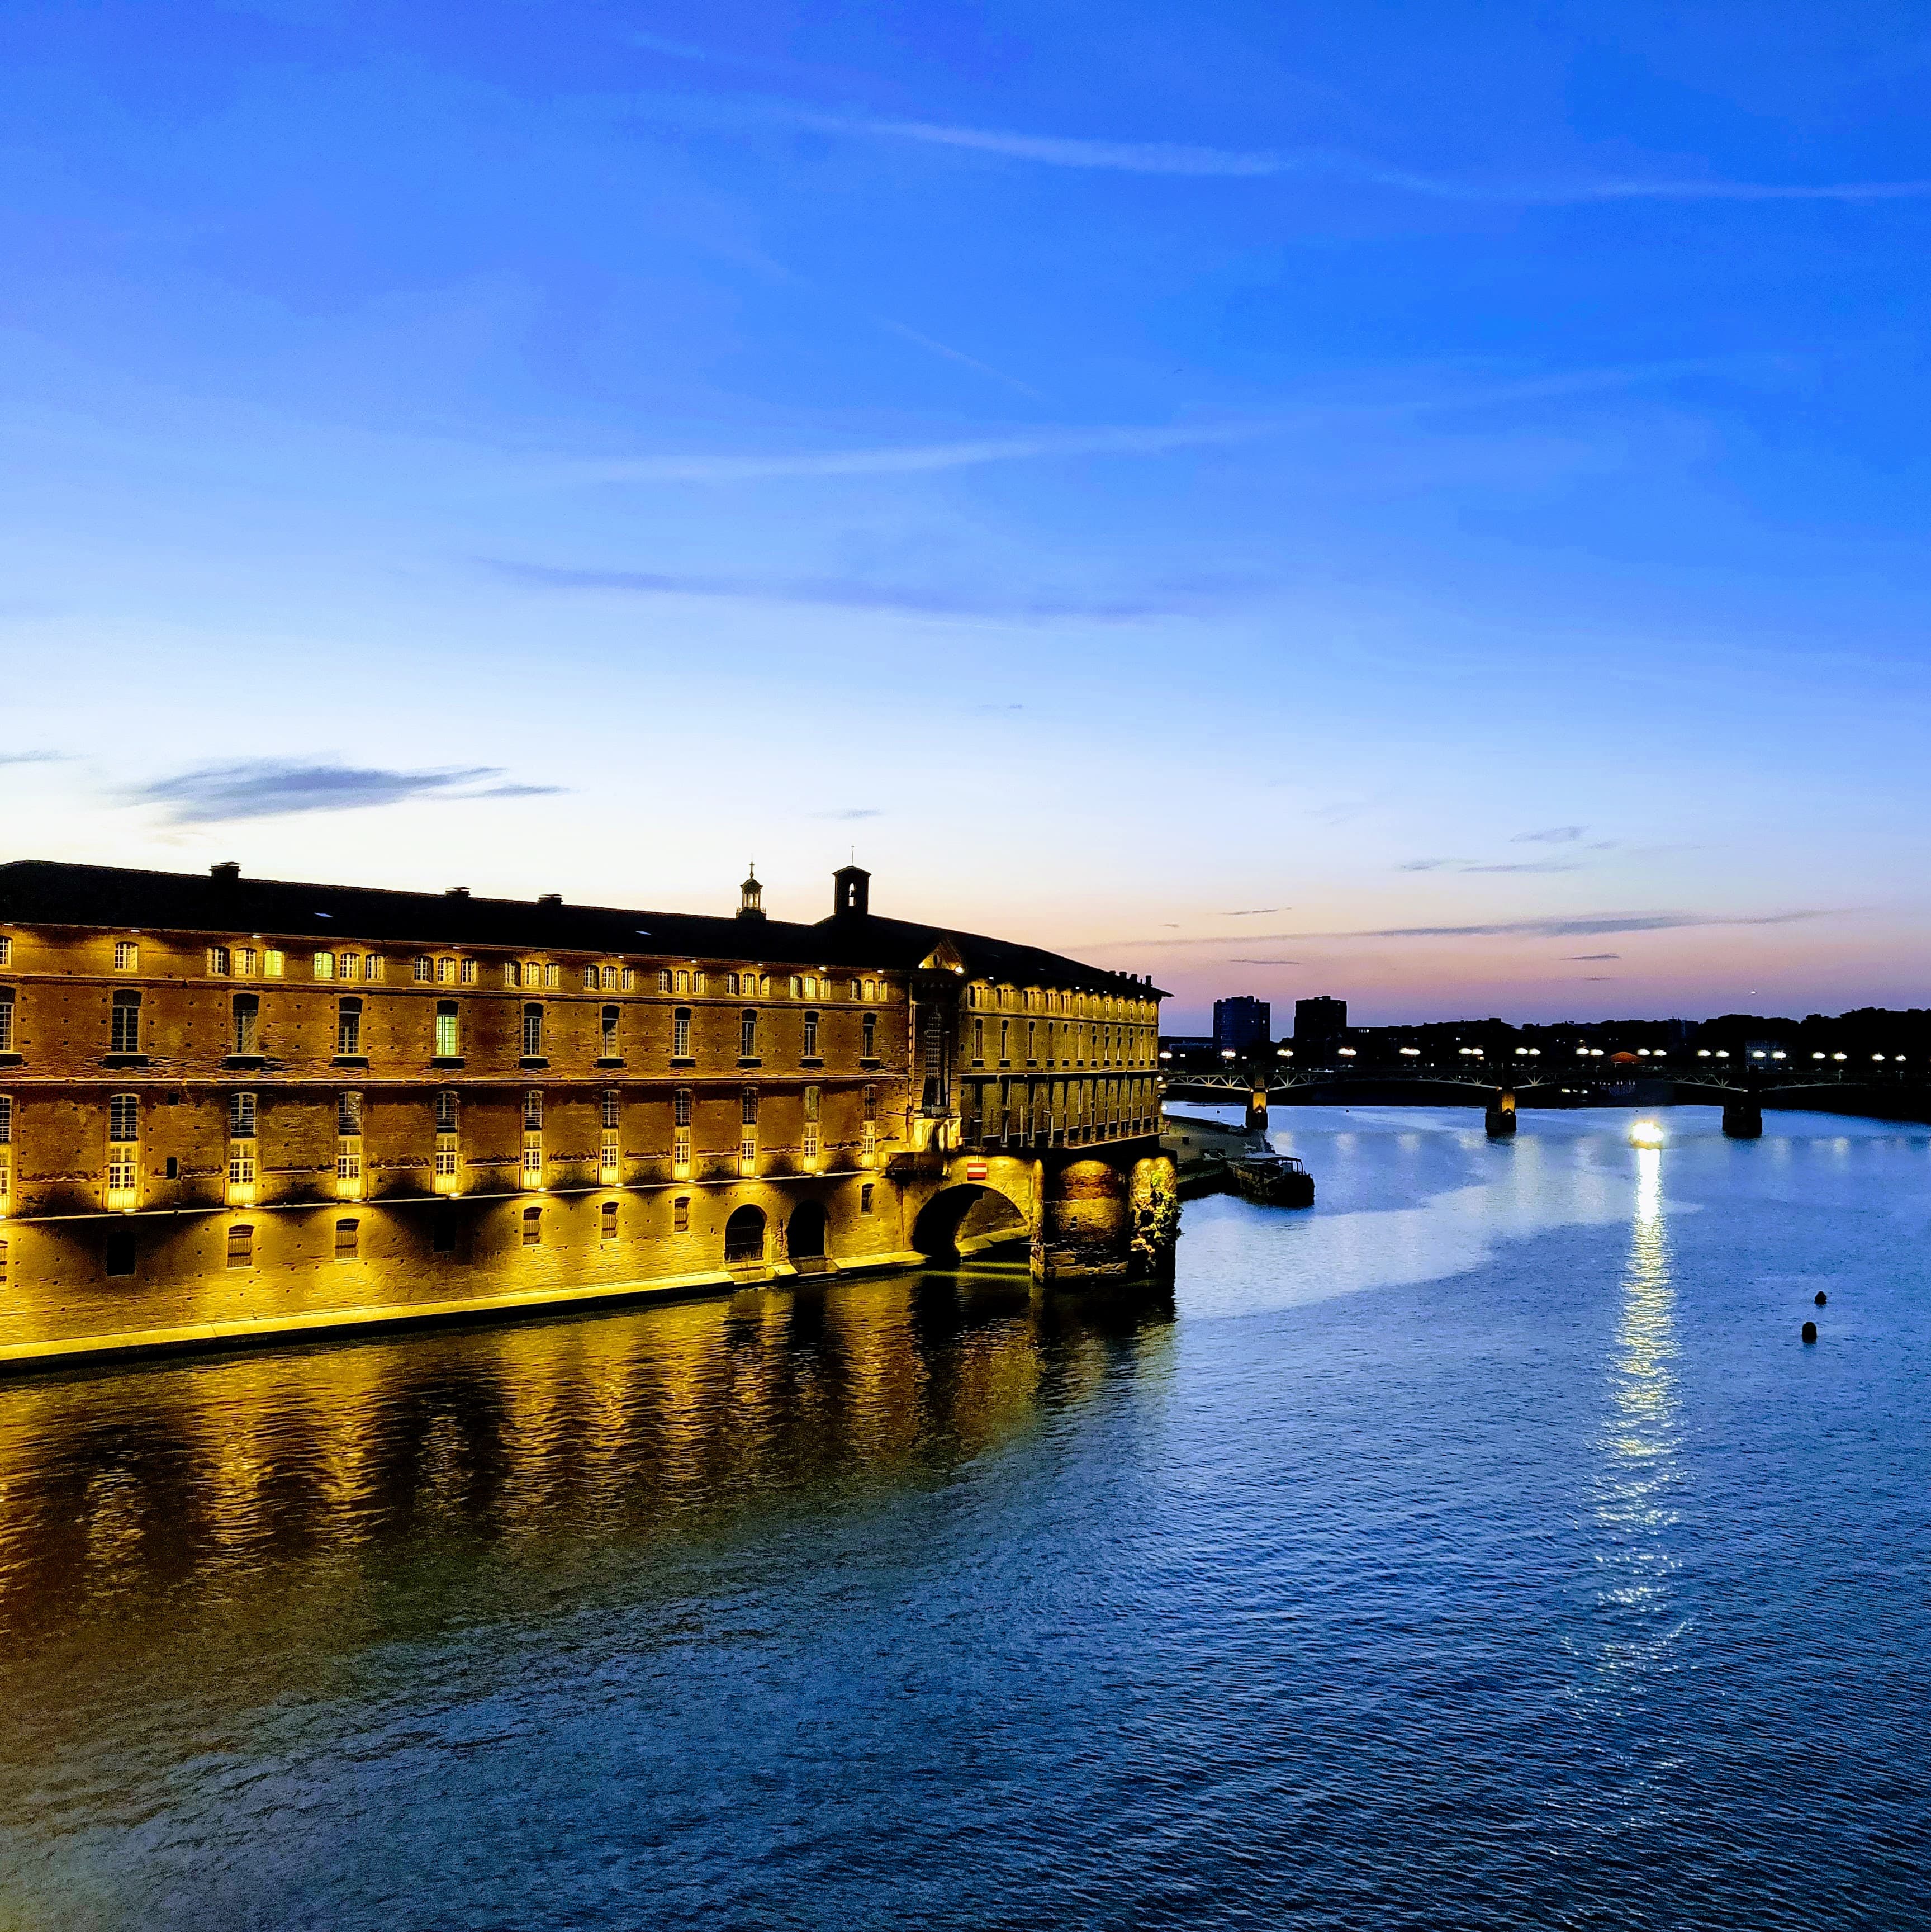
<point x="751" y="897"/>
<point x="851" y="893"/>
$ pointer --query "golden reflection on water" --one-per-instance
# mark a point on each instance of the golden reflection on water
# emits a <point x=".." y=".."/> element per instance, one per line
<point x="311" y="1487"/>
<point x="1637" y="1473"/>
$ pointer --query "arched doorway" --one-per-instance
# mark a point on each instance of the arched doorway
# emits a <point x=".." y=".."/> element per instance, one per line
<point x="743" y="1237"/>
<point x="804" y="1232"/>
<point x="963" y="1220"/>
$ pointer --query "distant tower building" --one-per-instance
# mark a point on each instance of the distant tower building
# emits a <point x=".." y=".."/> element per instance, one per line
<point x="1321" y="1025"/>
<point x="1242" y="1025"/>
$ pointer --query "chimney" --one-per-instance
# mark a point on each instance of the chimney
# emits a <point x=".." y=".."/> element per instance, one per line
<point x="851" y="893"/>
<point x="550" y="898"/>
<point x="227" y="872"/>
<point x="456" y="892"/>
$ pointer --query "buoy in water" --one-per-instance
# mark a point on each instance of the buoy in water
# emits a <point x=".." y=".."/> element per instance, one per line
<point x="1821" y="1298"/>
<point x="1809" y="1331"/>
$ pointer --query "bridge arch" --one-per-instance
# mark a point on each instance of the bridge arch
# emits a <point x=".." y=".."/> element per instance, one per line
<point x="964" y="1218"/>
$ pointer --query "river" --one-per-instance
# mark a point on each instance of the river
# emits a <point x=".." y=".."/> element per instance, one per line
<point x="1482" y="1548"/>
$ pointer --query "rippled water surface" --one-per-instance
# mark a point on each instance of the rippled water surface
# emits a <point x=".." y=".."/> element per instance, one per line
<point x="1483" y="1548"/>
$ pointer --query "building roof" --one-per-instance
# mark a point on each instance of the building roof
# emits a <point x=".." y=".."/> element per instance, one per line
<point x="40" y="892"/>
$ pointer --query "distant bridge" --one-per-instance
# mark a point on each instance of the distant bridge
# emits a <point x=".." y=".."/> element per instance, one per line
<point x="1889" y="1092"/>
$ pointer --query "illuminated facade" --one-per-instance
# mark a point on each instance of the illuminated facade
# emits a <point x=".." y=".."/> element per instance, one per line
<point x="231" y="1104"/>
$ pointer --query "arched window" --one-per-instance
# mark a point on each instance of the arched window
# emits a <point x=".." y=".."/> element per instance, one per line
<point x="608" y="1035"/>
<point x="247" y="1022"/>
<point x="532" y="1032"/>
<point x="870" y="1024"/>
<point x="811" y="1035"/>
<point x="349" y="1029"/>
<point x="744" y="1237"/>
<point x="748" y="1034"/>
<point x="680" y="1032"/>
<point x="6" y="1019"/>
<point x="124" y="1032"/>
<point x="609" y="1230"/>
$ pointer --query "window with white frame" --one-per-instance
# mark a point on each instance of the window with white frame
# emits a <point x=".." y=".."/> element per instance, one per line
<point x="247" y="1015"/>
<point x="811" y="1124"/>
<point x="127" y="956"/>
<point x="606" y="1034"/>
<point x="533" y="1138"/>
<point x="6" y="949"/>
<point x="448" y="1030"/>
<point x="220" y="961"/>
<point x="465" y="973"/>
<point x="811" y="1035"/>
<point x="422" y="971"/>
<point x="124" y="1034"/>
<point x="868" y="1028"/>
<point x="532" y="1032"/>
<point x="244" y="962"/>
<point x="748" y="1034"/>
<point x="324" y="965"/>
<point x="349" y="1029"/>
<point x="448" y="1120"/>
<point x="680" y="1034"/>
<point x="274" y="962"/>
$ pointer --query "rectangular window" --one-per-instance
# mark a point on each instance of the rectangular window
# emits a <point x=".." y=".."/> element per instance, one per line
<point x="979" y="1042"/>
<point x="244" y="962"/>
<point x="748" y="1035"/>
<point x="241" y="1117"/>
<point x="665" y="980"/>
<point x="749" y="1103"/>
<point x="247" y="1022"/>
<point x="6" y="950"/>
<point x="220" y="961"/>
<point x="549" y="976"/>
<point x="747" y="1154"/>
<point x="795" y="986"/>
<point x="682" y="1104"/>
<point x="6" y="1019"/>
<point x="1032" y="1042"/>
<point x="6" y="1120"/>
<point x="445" y="972"/>
<point x="869" y="1026"/>
<point x="591" y="980"/>
<point x="512" y="972"/>
<point x="532" y="1111"/>
<point x="811" y="1035"/>
<point x="127" y="956"/>
<point x="348" y="1113"/>
<point x="532" y="1033"/>
<point x="124" y="1117"/>
<point x="449" y="1038"/>
<point x="124" y="1034"/>
<point x="324" y="965"/>
<point x="422" y="971"/>
<point x="733" y="983"/>
<point x="446" y="1114"/>
<point x="612" y="1105"/>
<point x="348" y="965"/>
<point x="466" y="973"/>
<point x="532" y="1227"/>
<point x="240" y="1246"/>
<point x="870" y="1098"/>
<point x="349" y="1029"/>
<point x="348" y="1239"/>
<point x="680" y="1215"/>
<point x="607" y="1036"/>
<point x="680" y="1154"/>
<point x="627" y="979"/>
<point x="857" y="989"/>
<point x="1005" y="1042"/>
<point x="811" y="1140"/>
<point x="683" y="983"/>
<point x="447" y="1160"/>
<point x="868" y="1146"/>
<point x="680" y="1033"/>
<point x="273" y="961"/>
<point x="609" y="1230"/>
<point x="865" y="1198"/>
<point x="607" y="1159"/>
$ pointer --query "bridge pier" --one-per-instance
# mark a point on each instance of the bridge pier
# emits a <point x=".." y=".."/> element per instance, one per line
<point x="1499" y="1119"/>
<point x="1106" y="1217"/>
<point x="1743" y="1117"/>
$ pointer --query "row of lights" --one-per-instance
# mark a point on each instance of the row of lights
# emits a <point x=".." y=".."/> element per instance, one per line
<point x="1581" y="1053"/>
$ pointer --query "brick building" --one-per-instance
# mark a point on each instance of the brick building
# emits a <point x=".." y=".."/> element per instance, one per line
<point x="227" y="1103"/>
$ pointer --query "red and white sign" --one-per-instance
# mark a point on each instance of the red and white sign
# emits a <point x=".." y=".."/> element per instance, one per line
<point x="975" y="1170"/>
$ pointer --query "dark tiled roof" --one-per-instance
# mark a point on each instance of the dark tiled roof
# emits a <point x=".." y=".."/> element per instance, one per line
<point x="38" y="892"/>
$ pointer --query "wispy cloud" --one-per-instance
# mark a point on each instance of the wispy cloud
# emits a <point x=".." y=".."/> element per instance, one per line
<point x="1253" y="912"/>
<point x="1191" y="160"/>
<point x="853" y="812"/>
<point x="1582" y="959"/>
<point x="277" y="787"/>
<point x="1584" y="926"/>
<point x="1427" y="865"/>
<point x="846" y="593"/>
<point x="1556" y="835"/>
<point x="1239" y="961"/>
<point x="36" y="757"/>
<point x="911" y="459"/>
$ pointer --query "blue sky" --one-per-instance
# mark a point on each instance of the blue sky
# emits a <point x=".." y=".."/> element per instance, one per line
<point x="1423" y="504"/>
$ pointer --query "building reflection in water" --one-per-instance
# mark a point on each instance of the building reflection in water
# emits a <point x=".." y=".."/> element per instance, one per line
<point x="353" y="1490"/>
<point x="1637" y="1470"/>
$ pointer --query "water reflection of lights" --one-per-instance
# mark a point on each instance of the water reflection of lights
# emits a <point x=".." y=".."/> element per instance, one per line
<point x="1637" y="1475"/>
<point x="1646" y="1134"/>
